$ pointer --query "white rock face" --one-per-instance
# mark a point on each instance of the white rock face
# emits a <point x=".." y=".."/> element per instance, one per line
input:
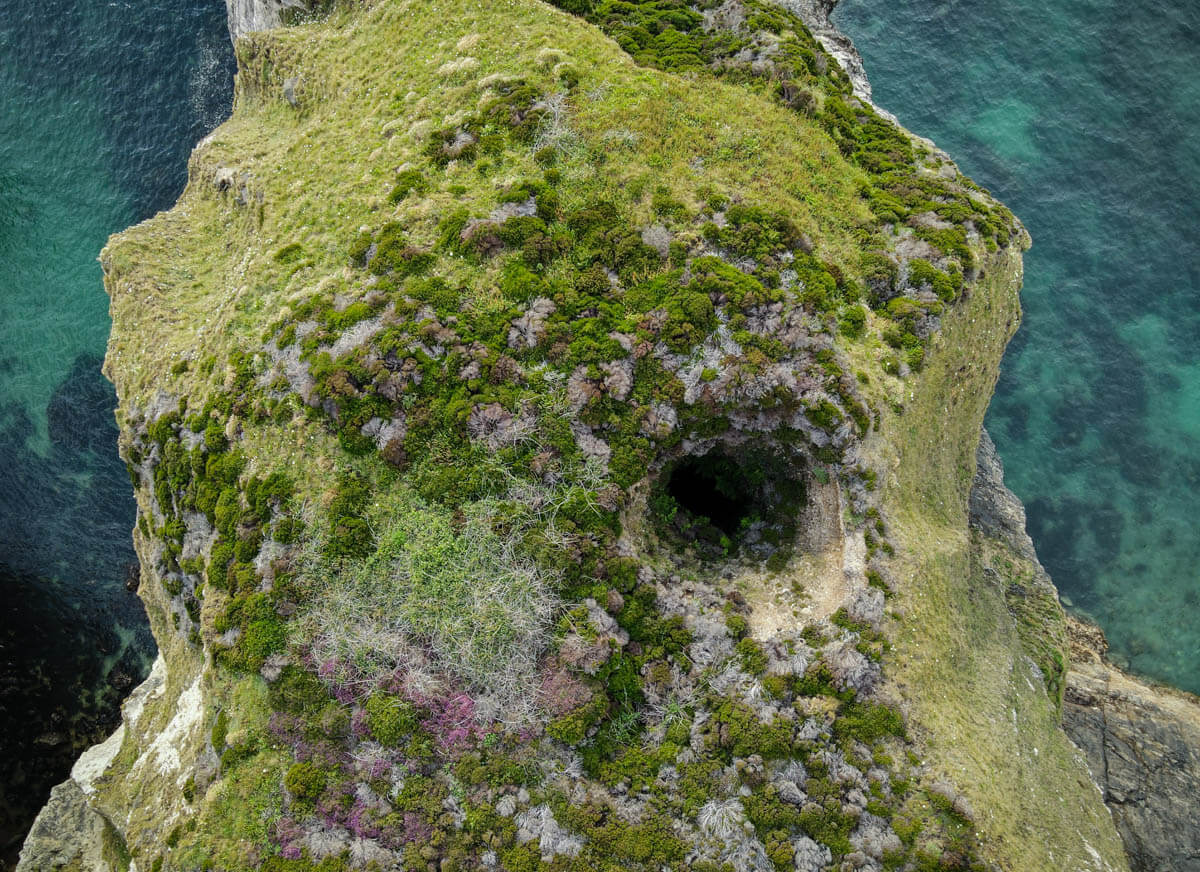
<point x="92" y="762"/>
<point x="163" y="752"/>
<point x="247" y="16"/>
<point x="68" y="830"/>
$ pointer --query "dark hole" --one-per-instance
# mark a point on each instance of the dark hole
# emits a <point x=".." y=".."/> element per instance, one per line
<point x="714" y="487"/>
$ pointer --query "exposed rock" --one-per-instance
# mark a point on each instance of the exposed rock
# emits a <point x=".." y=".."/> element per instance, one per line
<point x="810" y="857"/>
<point x="289" y="91"/>
<point x="995" y="510"/>
<point x="816" y="14"/>
<point x="658" y="238"/>
<point x="539" y="823"/>
<point x="247" y="16"/>
<point x="1142" y="744"/>
<point x="851" y="670"/>
<point x="68" y="833"/>
<point x="867" y="606"/>
<point x="874" y="836"/>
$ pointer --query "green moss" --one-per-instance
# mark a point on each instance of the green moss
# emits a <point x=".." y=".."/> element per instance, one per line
<point x="852" y="322"/>
<point x="867" y="722"/>
<point x="391" y="719"/>
<point x="614" y="844"/>
<point x="573" y="727"/>
<point x="298" y="691"/>
<point x="306" y="781"/>
<point x="735" y="731"/>
<point x="220" y="731"/>
<point x="754" y="659"/>
<point x="410" y="181"/>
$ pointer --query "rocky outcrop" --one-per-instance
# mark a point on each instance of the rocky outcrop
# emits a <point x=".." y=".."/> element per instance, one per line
<point x="775" y="763"/>
<point x="1142" y="744"/>
<point x="816" y="14"/>
<point x="995" y="510"/>
<point x="247" y="16"/>
<point x="68" y="834"/>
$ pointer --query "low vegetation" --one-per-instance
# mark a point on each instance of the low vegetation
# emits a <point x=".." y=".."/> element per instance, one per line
<point x="495" y="363"/>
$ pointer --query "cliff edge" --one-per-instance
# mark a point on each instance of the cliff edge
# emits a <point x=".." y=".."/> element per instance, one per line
<point x="1141" y="742"/>
<point x="552" y="429"/>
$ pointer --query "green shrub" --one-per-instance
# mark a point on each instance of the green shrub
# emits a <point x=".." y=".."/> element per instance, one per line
<point x="754" y="659"/>
<point x="220" y="730"/>
<point x="573" y="727"/>
<point x="867" y="722"/>
<point x="297" y="691"/>
<point x="852" y="321"/>
<point x="306" y="781"/>
<point x="409" y="181"/>
<point x="391" y="719"/>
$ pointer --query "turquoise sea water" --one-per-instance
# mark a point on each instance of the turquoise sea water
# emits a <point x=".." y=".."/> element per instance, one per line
<point x="1084" y="117"/>
<point x="100" y="103"/>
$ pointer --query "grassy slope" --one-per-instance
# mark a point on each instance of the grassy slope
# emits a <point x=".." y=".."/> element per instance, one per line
<point x="202" y="279"/>
<point x="326" y="170"/>
<point x="990" y="726"/>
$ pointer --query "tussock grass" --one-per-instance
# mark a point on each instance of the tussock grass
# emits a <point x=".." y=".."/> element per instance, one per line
<point x="439" y="595"/>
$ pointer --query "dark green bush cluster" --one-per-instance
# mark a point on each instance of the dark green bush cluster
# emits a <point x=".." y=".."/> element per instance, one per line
<point x="351" y="535"/>
<point x="589" y="312"/>
<point x="615" y="843"/>
<point x="306" y="781"/>
<point x="391" y="719"/>
<point x="668" y="34"/>
<point x="394" y="255"/>
<point x="408" y="181"/>
<point x="515" y="111"/>
<point x="734" y="730"/>
<point x="905" y="333"/>
<point x="923" y="275"/>
<point x="244" y="511"/>
<point x="867" y="722"/>
<point x="297" y="691"/>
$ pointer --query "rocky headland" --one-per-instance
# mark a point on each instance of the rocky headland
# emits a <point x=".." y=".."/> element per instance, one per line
<point x="556" y="436"/>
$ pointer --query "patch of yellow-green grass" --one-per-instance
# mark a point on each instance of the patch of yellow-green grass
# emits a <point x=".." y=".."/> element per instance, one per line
<point x="1033" y="602"/>
<point x="237" y="815"/>
<point x="979" y="703"/>
<point x="203" y="278"/>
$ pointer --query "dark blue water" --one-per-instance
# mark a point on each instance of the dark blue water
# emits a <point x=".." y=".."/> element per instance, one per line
<point x="1084" y="117"/>
<point x="101" y="103"/>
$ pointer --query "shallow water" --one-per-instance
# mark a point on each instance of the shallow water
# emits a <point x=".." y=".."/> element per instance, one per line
<point x="1082" y="116"/>
<point x="101" y="105"/>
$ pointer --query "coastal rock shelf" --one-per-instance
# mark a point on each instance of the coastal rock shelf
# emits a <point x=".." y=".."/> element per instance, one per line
<point x="552" y="431"/>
